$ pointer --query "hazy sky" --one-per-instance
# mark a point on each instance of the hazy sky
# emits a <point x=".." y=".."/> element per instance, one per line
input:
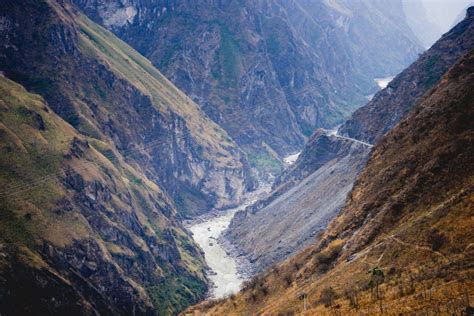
<point x="444" y="13"/>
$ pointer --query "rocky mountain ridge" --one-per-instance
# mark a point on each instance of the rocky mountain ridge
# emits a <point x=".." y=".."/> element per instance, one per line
<point x="101" y="158"/>
<point x="384" y="111"/>
<point x="82" y="231"/>
<point x="270" y="71"/>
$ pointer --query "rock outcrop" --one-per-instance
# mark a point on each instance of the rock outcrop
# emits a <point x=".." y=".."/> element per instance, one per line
<point x="385" y="110"/>
<point x="299" y="210"/>
<point x="100" y="159"/>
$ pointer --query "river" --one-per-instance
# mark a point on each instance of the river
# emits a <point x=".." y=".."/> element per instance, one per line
<point x="224" y="274"/>
<point x="383" y="82"/>
<point x="291" y="159"/>
<point x="206" y="230"/>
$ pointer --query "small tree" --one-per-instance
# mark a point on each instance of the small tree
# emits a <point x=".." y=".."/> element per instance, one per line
<point x="288" y="278"/>
<point x="297" y="266"/>
<point x="411" y="284"/>
<point x="436" y="240"/>
<point x="376" y="278"/>
<point x="400" y="285"/>
<point x="274" y="269"/>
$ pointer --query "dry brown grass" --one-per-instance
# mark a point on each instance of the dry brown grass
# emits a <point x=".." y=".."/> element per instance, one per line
<point x="410" y="214"/>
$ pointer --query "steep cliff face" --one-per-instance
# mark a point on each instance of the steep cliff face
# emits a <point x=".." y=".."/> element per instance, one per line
<point x="271" y="71"/>
<point x="319" y="181"/>
<point x="408" y="221"/>
<point x="108" y="91"/>
<point x="83" y="232"/>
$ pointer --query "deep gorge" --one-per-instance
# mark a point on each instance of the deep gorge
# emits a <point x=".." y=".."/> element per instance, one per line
<point x="236" y="157"/>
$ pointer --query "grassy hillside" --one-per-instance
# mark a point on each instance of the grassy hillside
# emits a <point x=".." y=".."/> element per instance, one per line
<point x="403" y="241"/>
<point x="319" y="198"/>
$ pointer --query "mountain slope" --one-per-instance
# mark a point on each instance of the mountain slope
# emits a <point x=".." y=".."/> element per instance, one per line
<point x="270" y="71"/>
<point x="408" y="221"/>
<point x="384" y="111"/>
<point x="100" y="159"/>
<point x="300" y="207"/>
<point x="330" y="162"/>
<point x="108" y="91"/>
<point x="82" y="231"/>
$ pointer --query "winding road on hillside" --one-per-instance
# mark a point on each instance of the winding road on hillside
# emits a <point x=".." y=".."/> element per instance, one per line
<point x="334" y="132"/>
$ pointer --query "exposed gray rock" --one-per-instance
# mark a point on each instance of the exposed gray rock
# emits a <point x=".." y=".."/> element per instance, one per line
<point x="296" y="212"/>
